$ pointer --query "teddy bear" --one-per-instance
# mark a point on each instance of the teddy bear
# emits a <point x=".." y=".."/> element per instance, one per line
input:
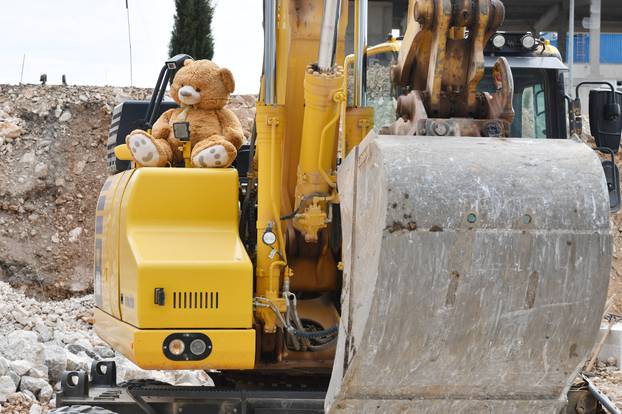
<point x="202" y="90"/>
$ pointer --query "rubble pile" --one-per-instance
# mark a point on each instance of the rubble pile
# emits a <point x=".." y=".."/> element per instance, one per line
<point x="53" y="150"/>
<point x="39" y="340"/>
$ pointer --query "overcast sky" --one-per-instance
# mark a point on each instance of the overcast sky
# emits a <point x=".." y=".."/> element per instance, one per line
<point x="88" y="40"/>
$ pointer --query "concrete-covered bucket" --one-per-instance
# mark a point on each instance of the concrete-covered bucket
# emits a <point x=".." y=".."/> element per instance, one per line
<point x="475" y="274"/>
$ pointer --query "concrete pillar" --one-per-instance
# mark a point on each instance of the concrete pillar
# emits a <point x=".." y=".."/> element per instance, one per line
<point x="595" y="19"/>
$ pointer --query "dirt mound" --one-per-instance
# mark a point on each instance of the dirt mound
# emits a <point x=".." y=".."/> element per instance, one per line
<point x="52" y="146"/>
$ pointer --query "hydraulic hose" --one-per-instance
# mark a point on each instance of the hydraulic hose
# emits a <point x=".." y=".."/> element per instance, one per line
<point x="316" y="334"/>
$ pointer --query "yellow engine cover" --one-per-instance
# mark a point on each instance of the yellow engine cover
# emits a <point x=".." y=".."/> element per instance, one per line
<point x="172" y="231"/>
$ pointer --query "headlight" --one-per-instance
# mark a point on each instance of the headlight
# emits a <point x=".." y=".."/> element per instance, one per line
<point x="498" y="41"/>
<point x="528" y="41"/>
<point x="198" y="347"/>
<point x="187" y="346"/>
<point x="176" y="347"/>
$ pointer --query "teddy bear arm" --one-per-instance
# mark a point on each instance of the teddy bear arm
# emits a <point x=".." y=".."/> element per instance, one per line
<point x="232" y="129"/>
<point x="161" y="129"/>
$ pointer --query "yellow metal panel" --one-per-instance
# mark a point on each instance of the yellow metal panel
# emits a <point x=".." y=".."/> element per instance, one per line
<point x="231" y="348"/>
<point x="179" y="232"/>
<point x="106" y="247"/>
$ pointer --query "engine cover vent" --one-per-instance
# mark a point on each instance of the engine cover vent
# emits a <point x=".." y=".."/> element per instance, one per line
<point x="195" y="300"/>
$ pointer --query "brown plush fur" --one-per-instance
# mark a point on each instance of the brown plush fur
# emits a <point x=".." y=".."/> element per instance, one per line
<point x="210" y="122"/>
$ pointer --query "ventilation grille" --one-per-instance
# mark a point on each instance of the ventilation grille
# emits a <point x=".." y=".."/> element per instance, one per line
<point x="195" y="300"/>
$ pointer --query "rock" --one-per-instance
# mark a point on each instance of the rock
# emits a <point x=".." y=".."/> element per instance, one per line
<point x="21" y="316"/>
<point x="4" y="366"/>
<point x="16" y="398"/>
<point x="44" y="332"/>
<point x="29" y="395"/>
<point x="85" y="345"/>
<point x="80" y="347"/>
<point x="32" y="384"/>
<point x="7" y="387"/>
<point x="35" y="409"/>
<point x="55" y="361"/>
<point x="74" y="234"/>
<point x="46" y="393"/>
<point x="41" y="170"/>
<point x="16" y="378"/>
<point x="39" y="372"/>
<point x="192" y="378"/>
<point x="55" y="238"/>
<point x="79" y="167"/>
<point x="78" y="362"/>
<point x="10" y="130"/>
<point x="104" y="352"/>
<point x="24" y="345"/>
<point x="612" y="361"/>
<point x="20" y="367"/>
<point x="65" y="116"/>
<point x="28" y="158"/>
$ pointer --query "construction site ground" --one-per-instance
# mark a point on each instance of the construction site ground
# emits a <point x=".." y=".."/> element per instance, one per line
<point x="52" y="148"/>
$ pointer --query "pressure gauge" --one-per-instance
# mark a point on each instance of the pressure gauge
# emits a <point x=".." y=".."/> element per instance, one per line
<point x="269" y="238"/>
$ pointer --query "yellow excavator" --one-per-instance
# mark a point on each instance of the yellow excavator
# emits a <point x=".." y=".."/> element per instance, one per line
<point x="429" y="265"/>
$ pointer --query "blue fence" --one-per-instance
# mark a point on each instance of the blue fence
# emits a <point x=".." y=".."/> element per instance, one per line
<point x="610" y="47"/>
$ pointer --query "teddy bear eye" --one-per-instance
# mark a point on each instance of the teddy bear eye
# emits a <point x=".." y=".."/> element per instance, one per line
<point x="198" y="90"/>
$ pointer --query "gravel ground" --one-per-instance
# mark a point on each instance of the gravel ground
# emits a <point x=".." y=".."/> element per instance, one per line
<point x="41" y="339"/>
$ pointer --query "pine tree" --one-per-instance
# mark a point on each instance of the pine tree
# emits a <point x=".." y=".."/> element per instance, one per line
<point x="192" y="32"/>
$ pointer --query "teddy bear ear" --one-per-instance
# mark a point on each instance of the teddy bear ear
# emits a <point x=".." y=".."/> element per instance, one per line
<point x="227" y="79"/>
<point x="188" y="62"/>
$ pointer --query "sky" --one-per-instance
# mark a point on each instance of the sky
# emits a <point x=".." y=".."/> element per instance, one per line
<point x="87" y="40"/>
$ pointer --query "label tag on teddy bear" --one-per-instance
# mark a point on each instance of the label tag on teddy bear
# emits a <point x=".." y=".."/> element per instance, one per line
<point x="181" y="130"/>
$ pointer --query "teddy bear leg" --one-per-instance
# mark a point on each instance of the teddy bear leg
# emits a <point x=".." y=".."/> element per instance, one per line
<point x="148" y="151"/>
<point x="217" y="153"/>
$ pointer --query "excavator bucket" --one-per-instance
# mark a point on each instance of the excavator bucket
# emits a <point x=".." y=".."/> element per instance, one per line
<point x="475" y="274"/>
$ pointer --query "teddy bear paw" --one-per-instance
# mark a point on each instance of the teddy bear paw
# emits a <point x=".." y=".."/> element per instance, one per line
<point x="145" y="152"/>
<point x="213" y="157"/>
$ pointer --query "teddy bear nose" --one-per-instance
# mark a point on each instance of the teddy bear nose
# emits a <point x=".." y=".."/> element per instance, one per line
<point x="185" y="93"/>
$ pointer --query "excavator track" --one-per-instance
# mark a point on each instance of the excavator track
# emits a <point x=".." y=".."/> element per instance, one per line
<point x="475" y="274"/>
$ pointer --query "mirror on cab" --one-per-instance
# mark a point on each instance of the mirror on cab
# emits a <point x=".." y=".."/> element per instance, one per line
<point x="605" y="118"/>
<point x="606" y="128"/>
<point x="605" y="115"/>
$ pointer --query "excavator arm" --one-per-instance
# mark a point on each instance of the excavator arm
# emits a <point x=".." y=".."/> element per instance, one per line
<point x="440" y="65"/>
<point x="475" y="268"/>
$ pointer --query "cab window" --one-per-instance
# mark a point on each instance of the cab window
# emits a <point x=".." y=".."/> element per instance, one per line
<point x="529" y="102"/>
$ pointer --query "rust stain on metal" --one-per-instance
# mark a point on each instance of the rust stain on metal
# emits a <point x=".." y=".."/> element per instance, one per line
<point x="454" y="278"/>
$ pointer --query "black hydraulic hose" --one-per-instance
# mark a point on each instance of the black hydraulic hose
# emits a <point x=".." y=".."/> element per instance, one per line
<point x="316" y="334"/>
<point x="304" y="200"/>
